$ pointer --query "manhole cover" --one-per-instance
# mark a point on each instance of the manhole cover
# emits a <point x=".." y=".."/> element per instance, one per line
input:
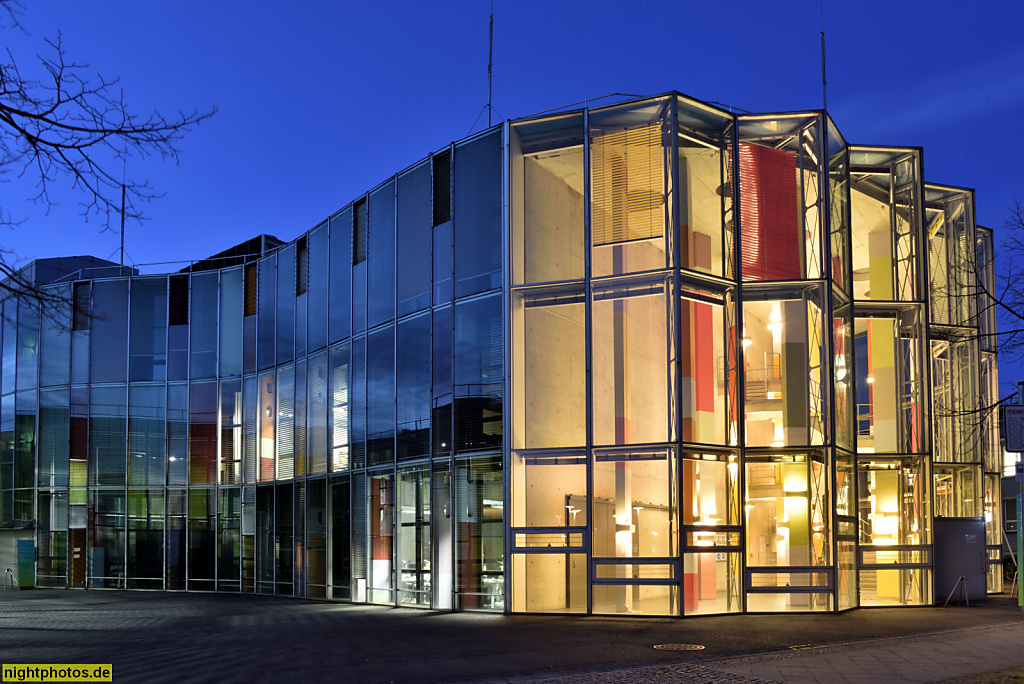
<point x="679" y="647"/>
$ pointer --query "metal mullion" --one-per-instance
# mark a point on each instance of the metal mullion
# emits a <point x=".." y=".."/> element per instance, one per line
<point x="740" y="399"/>
<point x="588" y="326"/>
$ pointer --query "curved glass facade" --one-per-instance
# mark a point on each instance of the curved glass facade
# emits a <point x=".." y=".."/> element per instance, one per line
<point x="651" y="358"/>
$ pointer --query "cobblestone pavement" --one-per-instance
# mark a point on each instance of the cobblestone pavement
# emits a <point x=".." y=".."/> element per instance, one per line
<point x="176" y="637"/>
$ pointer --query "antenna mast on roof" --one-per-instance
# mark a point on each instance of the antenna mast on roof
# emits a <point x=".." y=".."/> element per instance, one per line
<point x="122" y="229"/>
<point x="824" y="95"/>
<point x="490" y="60"/>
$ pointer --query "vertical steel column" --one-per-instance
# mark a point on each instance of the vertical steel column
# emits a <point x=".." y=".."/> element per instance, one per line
<point x="588" y="324"/>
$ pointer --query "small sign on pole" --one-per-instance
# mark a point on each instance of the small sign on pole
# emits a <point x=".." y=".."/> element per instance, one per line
<point x="1019" y="476"/>
<point x="1014" y="428"/>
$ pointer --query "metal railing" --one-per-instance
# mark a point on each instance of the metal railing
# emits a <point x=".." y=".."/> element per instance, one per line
<point x="10" y="580"/>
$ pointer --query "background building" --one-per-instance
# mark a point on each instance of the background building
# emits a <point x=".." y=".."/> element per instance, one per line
<point x="648" y="358"/>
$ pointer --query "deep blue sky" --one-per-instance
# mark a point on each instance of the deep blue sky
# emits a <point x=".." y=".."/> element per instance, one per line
<point x="321" y="101"/>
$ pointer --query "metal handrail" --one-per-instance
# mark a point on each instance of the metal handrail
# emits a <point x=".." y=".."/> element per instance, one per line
<point x="9" y="578"/>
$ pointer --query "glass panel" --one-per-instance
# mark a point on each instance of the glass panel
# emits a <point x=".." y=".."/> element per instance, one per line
<point x="316" y="539"/>
<point x="549" y="488"/>
<point x="631" y="351"/>
<point x="202" y="538"/>
<point x="177" y="546"/>
<point x="710" y="491"/>
<point x="177" y="327"/>
<point x="636" y="600"/>
<point x="548" y="540"/>
<point x="443" y="569"/>
<point x="711" y="583"/>
<point x="443" y="257"/>
<point x="441" y="385"/>
<point x="414" y="576"/>
<point x="106" y="539"/>
<point x="148" y="329"/>
<point x="340" y="400"/>
<point x="28" y="343"/>
<point x="55" y="342"/>
<point x="629" y="156"/>
<point x="358" y="402"/>
<point x="846" y="575"/>
<point x="477" y="180"/>
<point x="108" y="437"/>
<point x="177" y="434"/>
<point x="892" y="587"/>
<point x="285" y="314"/>
<point x="839" y="206"/>
<point x="784" y="354"/>
<point x="705" y="373"/>
<point x="265" y="338"/>
<point x="202" y="415"/>
<point x="958" y="491"/>
<point x="265" y="539"/>
<point x="230" y="432"/>
<point x="340" y="310"/>
<point x="25" y="446"/>
<point x="316" y="416"/>
<point x="147" y="425"/>
<point x="413" y="374"/>
<point x="203" y="328"/>
<point x="782" y="601"/>
<point x="954" y="402"/>
<point x="284" y="538"/>
<point x="547" y="200"/>
<point x="382" y="533"/>
<point x="380" y="396"/>
<point x="267" y="408"/>
<point x="479" y="529"/>
<point x="109" y="330"/>
<point x="549" y="583"/>
<point x="319" y="273"/>
<point x="780" y="198"/>
<point x="341" y="529"/>
<point x="889" y="382"/>
<point x="54" y="437"/>
<point x="634" y="504"/>
<point x="787" y="513"/>
<point x="229" y="539"/>
<point x="842" y="369"/>
<point x="231" y="322"/>
<point x="549" y="364"/>
<point x="285" y="423"/>
<point x="52" y="537"/>
<point x="380" y="256"/>
<point x="300" y="417"/>
<point x="479" y="378"/>
<point x="704" y="144"/>
<point x="145" y="561"/>
<point x="414" y="223"/>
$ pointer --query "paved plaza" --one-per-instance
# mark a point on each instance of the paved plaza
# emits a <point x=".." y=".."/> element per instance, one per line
<point x="167" y="637"/>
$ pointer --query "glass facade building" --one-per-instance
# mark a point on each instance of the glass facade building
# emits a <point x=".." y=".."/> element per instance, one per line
<point x="651" y="358"/>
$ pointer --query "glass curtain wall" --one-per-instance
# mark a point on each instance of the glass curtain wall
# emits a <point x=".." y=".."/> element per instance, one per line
<point x="890" y="349"/>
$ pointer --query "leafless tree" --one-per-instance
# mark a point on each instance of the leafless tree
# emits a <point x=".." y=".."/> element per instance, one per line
<point x="61" y="123"/>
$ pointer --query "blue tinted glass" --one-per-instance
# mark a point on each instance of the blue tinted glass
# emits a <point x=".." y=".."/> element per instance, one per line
<point x="203" y="326"/>
<point x="231" y="322"/>
<point x="319" y="271"/>
<point x="148" y="342"/>
<point x="413" y="372"/>
<point x="477" y="214"/>
<point x="28" y="343"/>
<point x="109" y="330"/>
<point x="380" y="282"/>
<point x="340" y="312"/>
<point x="414" y="219"/>
<point x="478" y="374"/>
<point x="286" y="304"/>
<point x="441" y="371"/>
<point x="265" y="336"/>
<point x="380" y="396"/>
